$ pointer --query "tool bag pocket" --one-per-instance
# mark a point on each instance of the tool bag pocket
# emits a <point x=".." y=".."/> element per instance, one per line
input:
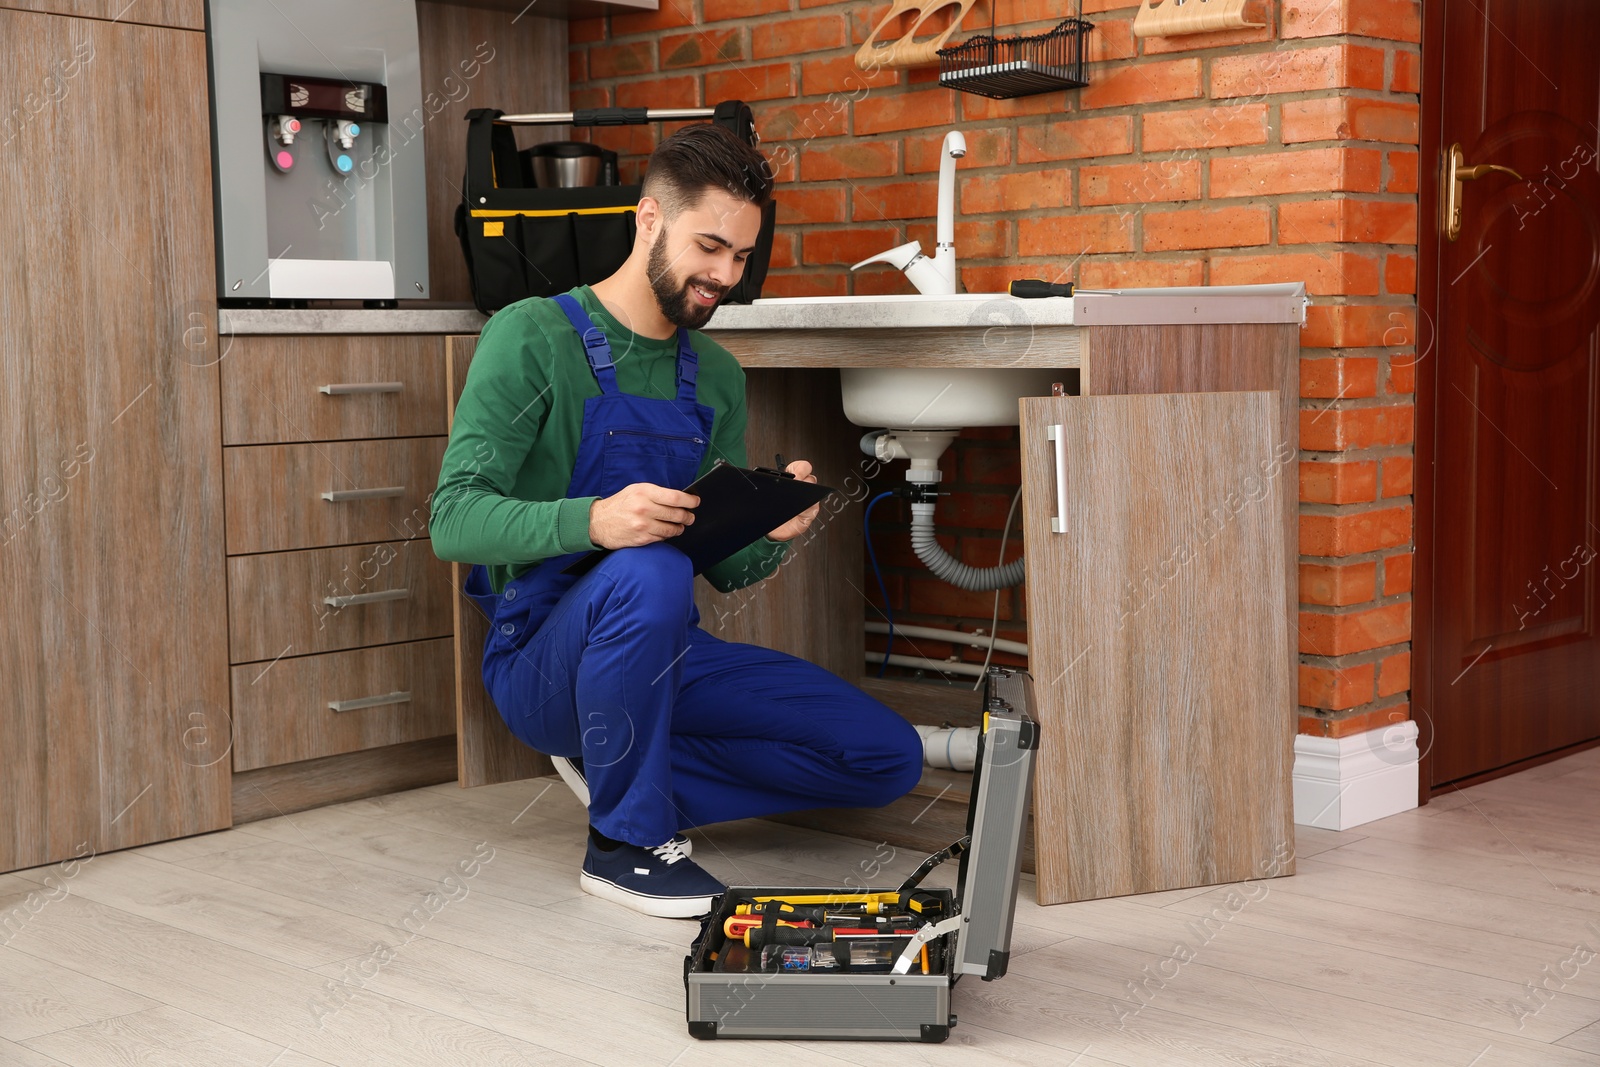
<point x="524" y="242"/>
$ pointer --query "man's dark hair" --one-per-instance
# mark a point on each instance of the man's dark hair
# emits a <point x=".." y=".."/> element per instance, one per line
<point x="705" y="156"/>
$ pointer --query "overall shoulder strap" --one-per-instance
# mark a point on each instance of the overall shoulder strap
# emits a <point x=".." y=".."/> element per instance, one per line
<point x="595" y="346"/>
<point x="688" y="366"/>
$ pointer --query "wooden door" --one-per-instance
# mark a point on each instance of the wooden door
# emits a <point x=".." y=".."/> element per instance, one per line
<point x="113" y="643"/>
<point x="1507" y="455"/>
<point x="1159" y="643"/>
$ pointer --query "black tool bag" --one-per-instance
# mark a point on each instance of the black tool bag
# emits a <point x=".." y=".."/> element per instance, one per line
<point x="521" y="241"/>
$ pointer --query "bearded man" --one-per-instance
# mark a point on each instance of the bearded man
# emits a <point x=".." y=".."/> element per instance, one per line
<point x="583" y="418"/>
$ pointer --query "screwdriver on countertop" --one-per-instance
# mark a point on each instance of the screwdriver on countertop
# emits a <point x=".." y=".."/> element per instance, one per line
<point x="1038" y="287"/>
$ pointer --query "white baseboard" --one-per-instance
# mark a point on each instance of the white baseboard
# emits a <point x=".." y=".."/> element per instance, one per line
<point x="1340" y="782"/>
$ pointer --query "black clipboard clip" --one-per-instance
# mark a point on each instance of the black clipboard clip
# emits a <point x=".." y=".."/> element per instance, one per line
<point x="778" y="470"/>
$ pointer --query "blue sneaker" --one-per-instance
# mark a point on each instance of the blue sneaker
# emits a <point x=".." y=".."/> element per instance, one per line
<point x="570" y="768"/>
<point x="661" y="881"/>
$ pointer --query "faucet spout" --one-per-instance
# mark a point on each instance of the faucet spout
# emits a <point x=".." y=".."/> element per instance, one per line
<point x="934" y="276"/>
<point x="955" y="146"/>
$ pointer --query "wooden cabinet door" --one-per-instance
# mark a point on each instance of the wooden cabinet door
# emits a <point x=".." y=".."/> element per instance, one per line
<point x="183" y="14"/>
<point x="1158" y="641"/>
<point x="113" y="643"/>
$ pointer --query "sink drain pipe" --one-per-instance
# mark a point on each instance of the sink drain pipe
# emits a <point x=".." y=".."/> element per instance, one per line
<point x="923" y="448"/>
<point x="945" y="566"/>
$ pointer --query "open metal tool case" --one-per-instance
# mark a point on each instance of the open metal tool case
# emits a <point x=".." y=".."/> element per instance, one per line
<point x="965" y="932"/>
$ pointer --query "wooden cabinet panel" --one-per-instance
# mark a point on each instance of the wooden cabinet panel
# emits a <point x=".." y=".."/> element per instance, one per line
<point x="278" y="601"/>
<point x="799" y="412"/>
<point x="1158" y="641"/>
<point x="293" y="389"/>
<point x="113" y="642"/>
<point x="387" y="695"/>
<point x="277" y="493"/>
<point x="179" y="14"/>
<point x="513" y="59"/>
<point x="486" y="751"/>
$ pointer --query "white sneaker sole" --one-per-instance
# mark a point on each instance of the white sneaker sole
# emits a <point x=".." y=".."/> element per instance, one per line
<point x="580" y="788"/>
<point x="574" y="780"/>
<point x="661" y="907"/>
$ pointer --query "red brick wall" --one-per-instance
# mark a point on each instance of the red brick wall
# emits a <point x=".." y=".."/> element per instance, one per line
<point x="1285" y="153"/>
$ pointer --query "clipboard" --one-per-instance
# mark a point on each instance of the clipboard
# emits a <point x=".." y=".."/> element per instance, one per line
<point x="736" y="507"/>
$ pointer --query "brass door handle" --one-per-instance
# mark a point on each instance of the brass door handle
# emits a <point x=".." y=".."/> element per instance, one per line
<point x="1456" y="171"/>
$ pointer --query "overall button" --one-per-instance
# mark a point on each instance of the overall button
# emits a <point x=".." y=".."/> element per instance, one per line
<point x="507" y="629"/>
<point x="511" y="594"/>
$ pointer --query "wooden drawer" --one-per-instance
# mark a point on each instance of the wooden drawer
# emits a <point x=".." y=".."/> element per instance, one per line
<point x="294" y="389"/>
<point x="178" y="14"/>
<point x="275" y="495"/>
<point x="389" y="694"/>
<point x="277" y="602"/>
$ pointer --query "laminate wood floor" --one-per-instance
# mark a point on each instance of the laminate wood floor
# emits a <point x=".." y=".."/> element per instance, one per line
<point x="445" y="926"/>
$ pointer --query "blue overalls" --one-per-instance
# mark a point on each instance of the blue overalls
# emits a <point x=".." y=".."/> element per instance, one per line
<point x="676" y="728"/>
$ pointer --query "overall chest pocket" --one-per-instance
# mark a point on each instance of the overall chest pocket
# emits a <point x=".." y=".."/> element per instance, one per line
<point x="662" y="458"/>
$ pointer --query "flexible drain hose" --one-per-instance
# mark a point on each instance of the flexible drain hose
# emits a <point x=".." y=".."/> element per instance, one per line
<point x="947" y="567"/>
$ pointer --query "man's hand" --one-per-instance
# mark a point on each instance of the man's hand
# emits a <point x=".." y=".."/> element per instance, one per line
<point x="798" y="525"/>
<point x="640" y="514"/>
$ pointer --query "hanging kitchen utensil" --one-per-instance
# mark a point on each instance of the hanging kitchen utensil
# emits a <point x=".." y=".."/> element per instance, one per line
<point x="908" y="51"/>
<point x="1170" y="18"/>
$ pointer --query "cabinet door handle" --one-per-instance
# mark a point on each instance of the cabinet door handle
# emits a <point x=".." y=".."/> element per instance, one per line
<point x="366" y="598"/>
<point x="370" y="702"/>
<point x="352" y="388"/>
<point x="341" y="495"/>
<point x="1058" y="522"/>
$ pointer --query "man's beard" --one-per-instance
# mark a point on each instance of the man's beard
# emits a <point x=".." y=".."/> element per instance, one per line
<point x="677" y="304"/>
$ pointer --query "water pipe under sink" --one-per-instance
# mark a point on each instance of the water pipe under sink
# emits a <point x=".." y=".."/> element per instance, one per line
<point x="936" y="276"/>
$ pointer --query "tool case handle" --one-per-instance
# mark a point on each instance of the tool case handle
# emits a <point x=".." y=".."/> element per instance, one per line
<point x="608" y="116"/>
<point x="492" y="148"/>
<point x="734" y="114"/>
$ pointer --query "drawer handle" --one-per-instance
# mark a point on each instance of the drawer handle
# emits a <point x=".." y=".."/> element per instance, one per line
<point x="340" y="495"/>
<point x="356" y="388"/>
<point x="366" y="598"/>
<point x="1058" y="522"/>
<point x="370" y="702"/>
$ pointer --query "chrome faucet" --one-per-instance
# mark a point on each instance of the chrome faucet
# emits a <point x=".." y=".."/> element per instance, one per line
<point x="936" y="276"/>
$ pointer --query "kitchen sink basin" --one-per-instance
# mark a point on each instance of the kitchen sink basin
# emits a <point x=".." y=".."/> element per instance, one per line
<point x="924" y="398"/>
<point x="921" y="398"/>
<point x="918" y="398"/>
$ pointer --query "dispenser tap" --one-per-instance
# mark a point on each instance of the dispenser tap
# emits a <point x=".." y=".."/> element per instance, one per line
<point x="346" y="133"/>
<point x="284" y="127"/>
<point x="936" y="276"/>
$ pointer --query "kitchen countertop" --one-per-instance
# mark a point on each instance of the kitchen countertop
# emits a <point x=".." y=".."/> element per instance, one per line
<point x="1281" y="302"/>
<point x="349" y="320"/>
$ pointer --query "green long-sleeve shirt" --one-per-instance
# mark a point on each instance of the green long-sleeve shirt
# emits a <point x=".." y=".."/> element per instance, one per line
<point x="501" y="498"/>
